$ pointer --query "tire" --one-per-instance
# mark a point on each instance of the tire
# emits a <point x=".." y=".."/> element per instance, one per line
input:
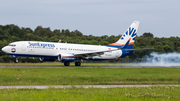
<point x="66" y="63"/>
<point x="77" y="63"/>
<point x="16" y="60"/>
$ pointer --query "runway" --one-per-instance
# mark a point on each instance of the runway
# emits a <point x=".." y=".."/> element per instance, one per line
<point x="106" y="65"/>
<point x="102" y="66"/>
<point x="77" y="86"/>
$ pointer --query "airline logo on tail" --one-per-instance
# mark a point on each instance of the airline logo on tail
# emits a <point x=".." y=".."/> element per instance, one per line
<point x="130" y="33"/>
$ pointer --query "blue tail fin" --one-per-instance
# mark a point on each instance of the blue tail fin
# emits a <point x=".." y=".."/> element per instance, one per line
<point x="126" y="45"/>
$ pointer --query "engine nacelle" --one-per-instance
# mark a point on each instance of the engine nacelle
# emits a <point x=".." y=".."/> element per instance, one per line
<point x="47" y="59"/>
<point x="66" y="57"/>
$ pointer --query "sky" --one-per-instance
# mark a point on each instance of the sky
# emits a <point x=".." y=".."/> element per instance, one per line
<point x="95" y="17"/>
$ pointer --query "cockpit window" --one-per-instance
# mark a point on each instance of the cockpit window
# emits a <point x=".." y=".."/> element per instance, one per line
<point x="13" y="45"/>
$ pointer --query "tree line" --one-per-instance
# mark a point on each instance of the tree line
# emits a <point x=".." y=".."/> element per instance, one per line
<point x="11" y="33"/>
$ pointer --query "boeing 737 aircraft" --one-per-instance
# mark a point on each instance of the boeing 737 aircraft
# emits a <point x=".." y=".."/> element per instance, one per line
<point x="66" y="52"/>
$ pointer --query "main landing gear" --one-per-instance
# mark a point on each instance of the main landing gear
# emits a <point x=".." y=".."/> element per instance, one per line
<point x="77" y="63"/>
<point x="68" y="63"/>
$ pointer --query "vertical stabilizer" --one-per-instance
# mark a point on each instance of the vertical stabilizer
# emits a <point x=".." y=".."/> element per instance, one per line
<point x="131" y="32"/>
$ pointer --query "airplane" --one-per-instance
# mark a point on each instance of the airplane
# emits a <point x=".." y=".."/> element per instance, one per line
<point x="67" y="52"/>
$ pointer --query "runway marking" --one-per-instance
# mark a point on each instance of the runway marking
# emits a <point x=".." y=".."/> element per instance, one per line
<point x="77" y="86"/>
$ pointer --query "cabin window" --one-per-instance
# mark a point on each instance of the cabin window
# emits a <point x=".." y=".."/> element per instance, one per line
<point x="13" y="45"/>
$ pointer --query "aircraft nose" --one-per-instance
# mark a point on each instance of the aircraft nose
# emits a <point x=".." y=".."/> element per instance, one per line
<point x="4" y="49"/>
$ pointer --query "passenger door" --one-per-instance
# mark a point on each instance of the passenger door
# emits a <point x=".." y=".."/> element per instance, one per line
<point x="23" y="46"/>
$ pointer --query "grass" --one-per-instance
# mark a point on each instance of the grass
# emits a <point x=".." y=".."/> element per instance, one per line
<point x="163" y="93"/>
<point x="87" y="76"/>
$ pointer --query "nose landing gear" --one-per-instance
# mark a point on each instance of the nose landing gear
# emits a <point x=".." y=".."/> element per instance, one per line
<point x="16" y="60"/>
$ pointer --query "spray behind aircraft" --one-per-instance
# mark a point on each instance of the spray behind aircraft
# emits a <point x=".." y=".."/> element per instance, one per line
<point x="164" y="60"/>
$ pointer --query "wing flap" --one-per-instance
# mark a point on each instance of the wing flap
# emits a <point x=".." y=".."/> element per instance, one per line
<point x="91" y="54"/>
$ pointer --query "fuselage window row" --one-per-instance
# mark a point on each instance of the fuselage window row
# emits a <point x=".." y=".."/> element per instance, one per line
<point x="40" y="47"/>
<point x="60" y="48"/>
<point x="80" y="49"/>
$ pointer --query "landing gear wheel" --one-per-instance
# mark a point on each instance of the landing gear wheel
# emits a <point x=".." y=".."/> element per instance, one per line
<point x="66" y="63"/>
<point x="16" y="60"/>
<point x="77" y="63"/>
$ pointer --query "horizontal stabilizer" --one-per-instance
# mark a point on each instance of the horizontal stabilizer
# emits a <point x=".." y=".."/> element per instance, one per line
<point x="129" y="50"/>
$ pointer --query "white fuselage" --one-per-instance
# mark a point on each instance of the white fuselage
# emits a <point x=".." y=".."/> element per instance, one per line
<point x="52" y="50"/>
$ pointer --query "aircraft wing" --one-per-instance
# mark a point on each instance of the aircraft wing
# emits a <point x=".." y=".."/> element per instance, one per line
<point x="129" y="50"/>
<point x="91" y="54"/>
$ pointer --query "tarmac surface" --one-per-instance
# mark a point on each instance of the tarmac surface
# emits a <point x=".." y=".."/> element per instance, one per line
<point x="103" y="66"/>
<point x="77" y="86"/>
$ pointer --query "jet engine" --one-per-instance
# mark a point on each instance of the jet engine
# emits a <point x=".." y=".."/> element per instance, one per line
<point x="66" y="58"/>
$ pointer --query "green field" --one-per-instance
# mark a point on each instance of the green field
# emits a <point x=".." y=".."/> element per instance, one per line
<point x="87" y="76"/>
<point x="164" y="93"/>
